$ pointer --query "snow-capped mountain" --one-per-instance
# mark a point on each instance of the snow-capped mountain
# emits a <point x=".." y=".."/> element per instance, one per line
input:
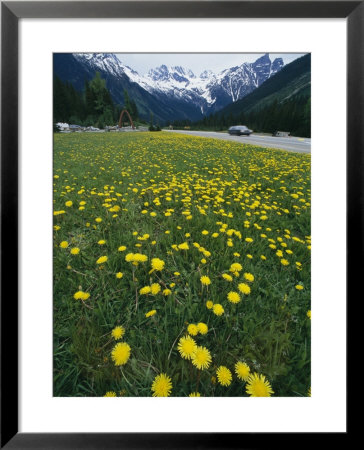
<point x="208" y="91"/>
<point x="78" y="67"/>
<point x="106" y="62"/>
<point x="169" y="92"/>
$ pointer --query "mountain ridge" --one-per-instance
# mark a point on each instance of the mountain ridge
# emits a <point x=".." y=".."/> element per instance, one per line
<point x="168" y="92"/>
<point x="209" y="91"/>
<point x="294" y="79"/>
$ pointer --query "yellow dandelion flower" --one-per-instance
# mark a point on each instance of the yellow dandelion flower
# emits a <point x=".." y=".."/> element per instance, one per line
<point x="75" y="251"/>
<point x="157" y="264"/>
<point x="145" y="290"/>
<point x="284" y="262"/>
<point x="227" y="277"/>
<point x="139" y="257"/>
<point x="110" y="394"/>
<point x="249" y="277"/>
<point x="120" y="353"/>
<point x="155" y="288"/>
<point x="80" y="295"/>
<point x="201" y="358"/>
<point x="242" y="370"/>
<point x="119" y="275"/>
<point x="166" y="292"/>
<point x="101" y="260"/>
<point x="209" y="304"/>
<point x="150" y="313"/>
<point x="98" y="220"/>
<point x="69" y="203"/>
<point x="63" y="244"/>
<point x="122" y="248"/>
<point x="205" y="280"/>
<point x="102" y="242"/>
<point x="186" y="347"/>
<point x="129" y="257"/>
<point x="162" y="386"/>
<point x="233" y="297"/>
<point x="236" y="267"/>
<point x="299" y="287"/>
<point x="183" y="246"/>
<point x="244" y="288"/>
<point x="118" y="332"/>
<point x="224" y="376"/>
<point x="309" y="314"/>
<point x="202" y="328"/>
<point x="218" y="310"/>
<point x="195" y="394"/>
<point x="258" y="386"/>
<point x="192" y="329"/>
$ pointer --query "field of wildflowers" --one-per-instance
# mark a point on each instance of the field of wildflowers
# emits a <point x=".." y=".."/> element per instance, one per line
<point x="181" y="267"/>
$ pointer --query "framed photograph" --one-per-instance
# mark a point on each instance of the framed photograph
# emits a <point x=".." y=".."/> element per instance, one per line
<point x="165" y="166"/>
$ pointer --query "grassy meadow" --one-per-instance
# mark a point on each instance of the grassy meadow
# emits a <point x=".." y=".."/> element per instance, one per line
<point x="181" y="267"/>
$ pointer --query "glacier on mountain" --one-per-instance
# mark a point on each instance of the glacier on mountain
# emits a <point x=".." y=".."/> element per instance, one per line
<point x="208" y="91"/>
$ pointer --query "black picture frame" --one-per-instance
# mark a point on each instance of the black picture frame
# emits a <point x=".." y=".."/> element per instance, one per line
<point x="11" y="12"/>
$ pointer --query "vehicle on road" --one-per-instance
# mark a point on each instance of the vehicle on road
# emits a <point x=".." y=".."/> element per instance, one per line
<point x="240" y="130"/>
<point x="281" y="134"/>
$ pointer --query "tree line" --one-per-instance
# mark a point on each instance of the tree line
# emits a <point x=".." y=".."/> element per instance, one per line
<point x="292" y="115"/>
<point x="91" y="107"/>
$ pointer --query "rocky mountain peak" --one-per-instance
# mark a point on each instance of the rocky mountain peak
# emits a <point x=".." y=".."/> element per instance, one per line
<point x="277" y="65"/>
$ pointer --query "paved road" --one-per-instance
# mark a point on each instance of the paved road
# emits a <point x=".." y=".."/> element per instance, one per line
<point x="293" y="144"/>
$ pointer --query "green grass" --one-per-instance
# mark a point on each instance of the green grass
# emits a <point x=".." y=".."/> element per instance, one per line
<point x="241" y="188"/>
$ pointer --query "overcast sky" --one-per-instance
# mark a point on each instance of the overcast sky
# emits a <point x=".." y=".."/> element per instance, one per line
<point x="197" y="62"/>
